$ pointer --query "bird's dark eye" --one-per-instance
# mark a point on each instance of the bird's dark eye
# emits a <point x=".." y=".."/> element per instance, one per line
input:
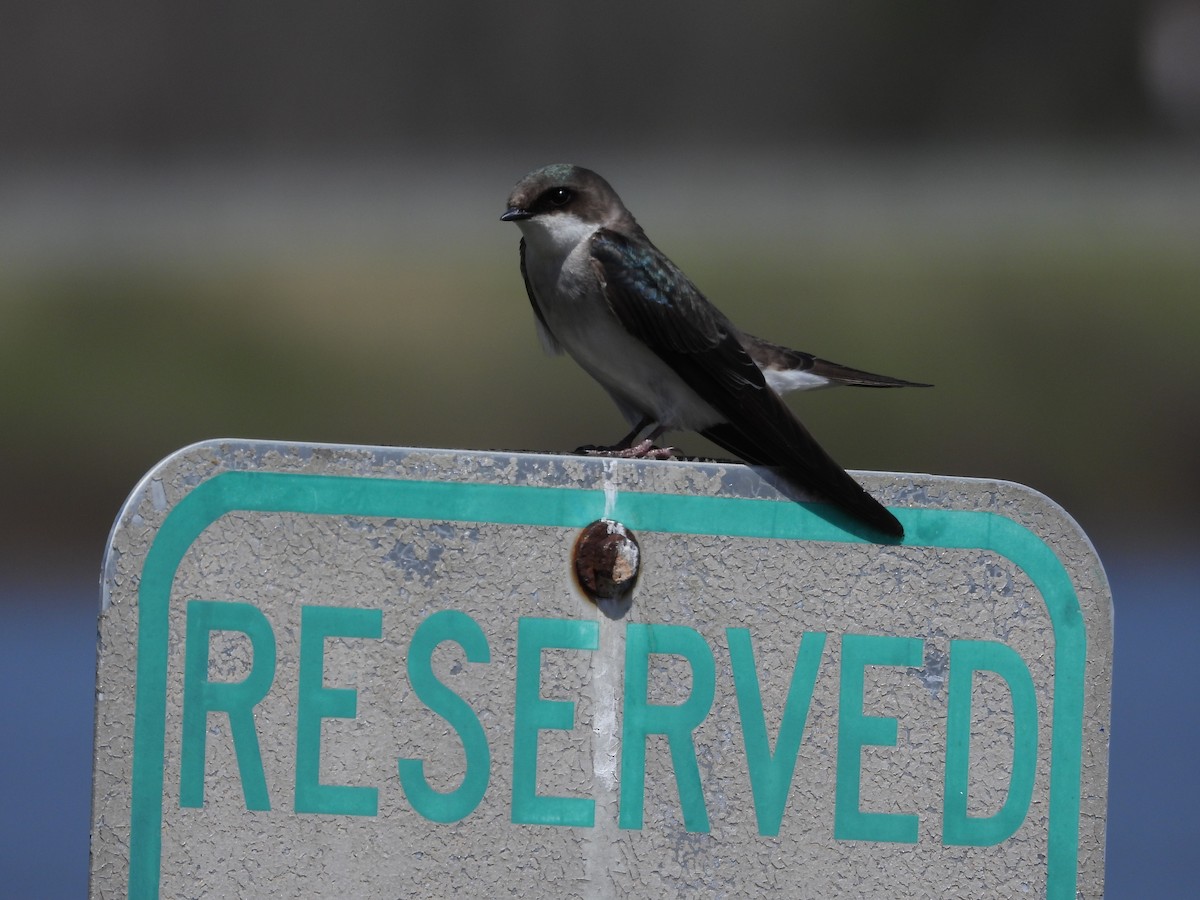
<point x="560" y="196"/>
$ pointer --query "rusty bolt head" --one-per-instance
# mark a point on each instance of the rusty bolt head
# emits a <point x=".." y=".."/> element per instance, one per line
<point x="607" y="559"/>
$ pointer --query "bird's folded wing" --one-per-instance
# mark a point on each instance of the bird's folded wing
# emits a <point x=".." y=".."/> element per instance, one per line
<point x="658" y="305"/>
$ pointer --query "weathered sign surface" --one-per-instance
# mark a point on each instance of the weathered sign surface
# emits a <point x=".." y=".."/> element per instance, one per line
<point x="371" y="672"/>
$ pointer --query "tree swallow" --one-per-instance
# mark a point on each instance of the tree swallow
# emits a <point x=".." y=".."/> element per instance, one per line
<point x="670" y="360"/>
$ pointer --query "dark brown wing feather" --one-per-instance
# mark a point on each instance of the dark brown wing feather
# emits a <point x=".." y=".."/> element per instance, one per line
<point x="657" y="304"/>
<point x="771" y="355"/>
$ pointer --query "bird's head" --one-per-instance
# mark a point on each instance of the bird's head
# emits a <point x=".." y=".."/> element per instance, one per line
<point x="565" y="203"/>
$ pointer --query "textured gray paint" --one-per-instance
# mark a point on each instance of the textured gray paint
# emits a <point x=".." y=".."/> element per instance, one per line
<point x="410" y="568"/>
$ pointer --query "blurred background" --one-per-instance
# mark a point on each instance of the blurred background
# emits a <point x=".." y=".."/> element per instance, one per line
<point x="238" y="220"/>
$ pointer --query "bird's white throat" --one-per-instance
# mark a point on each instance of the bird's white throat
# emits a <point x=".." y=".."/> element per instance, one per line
<point x="555" y="235"/>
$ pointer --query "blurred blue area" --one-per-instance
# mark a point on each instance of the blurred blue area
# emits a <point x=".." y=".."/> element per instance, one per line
<point x="48" y="668"/>
<point x="47" y="664"/>
<point x="1153" y="790"/>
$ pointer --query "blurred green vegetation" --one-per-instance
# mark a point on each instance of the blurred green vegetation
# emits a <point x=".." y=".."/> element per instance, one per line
<point x="1065" y="360"/>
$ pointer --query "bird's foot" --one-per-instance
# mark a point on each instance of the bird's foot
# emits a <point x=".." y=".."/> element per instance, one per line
<point x="643" y="450"/>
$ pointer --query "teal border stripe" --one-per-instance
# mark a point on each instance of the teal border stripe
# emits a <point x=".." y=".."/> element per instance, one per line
<point x="574" y="508"/>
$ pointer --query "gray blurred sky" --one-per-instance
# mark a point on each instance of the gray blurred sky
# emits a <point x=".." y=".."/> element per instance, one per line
<point x="152" y="80"/>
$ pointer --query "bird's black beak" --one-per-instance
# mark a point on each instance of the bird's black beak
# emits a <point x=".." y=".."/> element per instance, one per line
<point x="515" y="214"/>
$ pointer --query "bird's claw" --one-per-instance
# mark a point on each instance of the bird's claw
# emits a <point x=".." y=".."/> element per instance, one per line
<point x="643" y="450"/>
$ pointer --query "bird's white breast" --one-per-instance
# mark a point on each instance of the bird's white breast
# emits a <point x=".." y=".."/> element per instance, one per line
<point x="558" y="264"/>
